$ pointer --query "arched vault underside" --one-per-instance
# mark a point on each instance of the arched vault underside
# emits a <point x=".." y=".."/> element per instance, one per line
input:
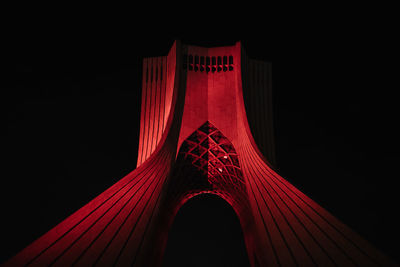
<point x="207" y="162"/>
<point x="206" y="127"/>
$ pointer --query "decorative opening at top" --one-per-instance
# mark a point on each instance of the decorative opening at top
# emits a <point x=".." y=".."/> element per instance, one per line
<point x="207" y="64"/>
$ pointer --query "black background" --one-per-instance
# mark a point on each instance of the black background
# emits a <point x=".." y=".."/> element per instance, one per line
<point x="70" y="97"/>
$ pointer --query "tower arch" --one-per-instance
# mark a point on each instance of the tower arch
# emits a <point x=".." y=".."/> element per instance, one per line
<point x="207" y="163"/>
<point x="206" y="232"/>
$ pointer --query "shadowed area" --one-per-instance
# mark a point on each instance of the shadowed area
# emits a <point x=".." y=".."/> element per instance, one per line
<point x="205" y="232"/>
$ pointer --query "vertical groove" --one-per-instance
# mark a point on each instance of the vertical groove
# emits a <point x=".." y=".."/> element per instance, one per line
<point x="143" y="110"/>
<point x="160" y="116"/>
<point x="156" y="107"/>
<point x="148" y="108"/>
<point x="152" y="108"/>
<point x="166" y="77"/>
<point x="163" y="92"/>
<point x="160" y="85"/>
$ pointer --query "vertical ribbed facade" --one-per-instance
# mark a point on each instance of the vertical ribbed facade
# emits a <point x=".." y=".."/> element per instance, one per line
<point x="206" y="127"/>
<point x="257" y="80"/>
<point x="157" y="88"/>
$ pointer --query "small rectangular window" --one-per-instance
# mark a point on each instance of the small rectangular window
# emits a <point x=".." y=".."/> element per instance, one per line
<point x="225" y="65"/>
<point x="208" y="68"/>
<point x="190" y="62"/>
<point x="196" y="63"/>
<point x="214" y="64"/>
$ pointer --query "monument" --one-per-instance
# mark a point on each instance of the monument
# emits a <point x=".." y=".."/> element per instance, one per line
<point x="205" y="127"/>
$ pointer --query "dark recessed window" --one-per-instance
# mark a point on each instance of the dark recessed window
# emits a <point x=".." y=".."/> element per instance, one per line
<point x="196" y="63"/>
<point x="214" y="64"/>
<point x="190" y="62"/>
<point x="208" y="64"/>
<point x="225" y="66"/>
<point x="204" y="63"/>
<point x="201" y="63"/>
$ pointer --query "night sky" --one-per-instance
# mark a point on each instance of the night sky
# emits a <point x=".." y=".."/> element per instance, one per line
<point x="70" y="100"/>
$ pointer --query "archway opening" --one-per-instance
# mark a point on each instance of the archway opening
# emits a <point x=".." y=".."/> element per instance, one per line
<point x="205" y="232"/>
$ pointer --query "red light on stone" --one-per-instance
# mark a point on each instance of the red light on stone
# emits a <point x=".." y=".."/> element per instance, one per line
<point x="205" y="127"/>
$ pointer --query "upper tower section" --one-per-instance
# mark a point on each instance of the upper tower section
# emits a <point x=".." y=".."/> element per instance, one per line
<point x="211" y="86"/>
<point x="221" y="85"/>
<point x="230" y="90"/>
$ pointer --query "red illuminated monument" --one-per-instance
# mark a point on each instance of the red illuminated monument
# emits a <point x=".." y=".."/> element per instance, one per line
<point x="206" y="127"/>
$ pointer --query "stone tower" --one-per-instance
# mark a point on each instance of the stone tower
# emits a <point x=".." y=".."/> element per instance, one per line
<point x="206" y="127"/>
